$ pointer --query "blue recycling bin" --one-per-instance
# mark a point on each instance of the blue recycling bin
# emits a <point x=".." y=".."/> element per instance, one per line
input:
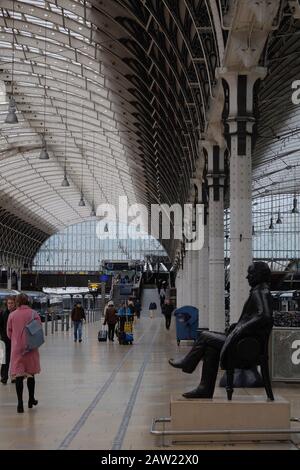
<point x="186" y="323"/>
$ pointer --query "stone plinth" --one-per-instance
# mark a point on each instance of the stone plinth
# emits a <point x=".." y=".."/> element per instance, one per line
<point x="242" y="413"/>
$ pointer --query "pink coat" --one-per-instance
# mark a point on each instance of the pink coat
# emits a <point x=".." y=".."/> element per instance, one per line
<point x="22" y="364"/>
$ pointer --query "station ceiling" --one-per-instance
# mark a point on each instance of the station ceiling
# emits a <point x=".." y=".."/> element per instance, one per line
<point x="119" y="91"/>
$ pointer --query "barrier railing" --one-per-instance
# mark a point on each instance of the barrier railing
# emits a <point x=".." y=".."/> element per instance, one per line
<point x="63" y="322"/>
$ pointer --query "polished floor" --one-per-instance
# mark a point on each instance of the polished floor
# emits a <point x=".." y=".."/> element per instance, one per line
<point x="104" y="396"/>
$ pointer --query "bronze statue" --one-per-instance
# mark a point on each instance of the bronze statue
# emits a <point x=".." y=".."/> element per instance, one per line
<point x="256" y="321"/>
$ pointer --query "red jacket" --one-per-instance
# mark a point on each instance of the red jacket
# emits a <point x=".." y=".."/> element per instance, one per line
<point x="111" y="316"/>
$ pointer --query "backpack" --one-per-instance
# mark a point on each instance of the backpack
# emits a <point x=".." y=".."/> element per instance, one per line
<point x="34" y="334"/>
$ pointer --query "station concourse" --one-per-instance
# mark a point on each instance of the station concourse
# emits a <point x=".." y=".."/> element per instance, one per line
<point x="103" y="396"/>
<point x="146" y="147"/>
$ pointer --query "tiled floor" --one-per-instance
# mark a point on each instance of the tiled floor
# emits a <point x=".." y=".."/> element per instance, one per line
<point x="103" y="396"/>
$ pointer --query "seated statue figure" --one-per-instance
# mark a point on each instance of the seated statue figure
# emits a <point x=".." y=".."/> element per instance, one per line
<point x="256" y="320"/>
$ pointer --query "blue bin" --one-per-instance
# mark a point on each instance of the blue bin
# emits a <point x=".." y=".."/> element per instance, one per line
<point x="186" y="323"/>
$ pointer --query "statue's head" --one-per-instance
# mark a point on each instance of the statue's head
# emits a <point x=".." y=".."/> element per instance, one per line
<point x="257" y="273"/>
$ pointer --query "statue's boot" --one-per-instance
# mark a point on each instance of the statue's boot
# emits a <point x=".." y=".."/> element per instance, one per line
<point x="208" y="378"/>
<point x="189" y="363"/>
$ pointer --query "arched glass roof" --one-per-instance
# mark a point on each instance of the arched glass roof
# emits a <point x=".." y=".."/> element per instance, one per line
<point x="276" y="159"/>
<point x="119" y="101"/>
<point x="118" y="91"/>
<point x="63" y="95"/>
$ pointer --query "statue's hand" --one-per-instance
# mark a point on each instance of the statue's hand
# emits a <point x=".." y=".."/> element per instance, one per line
<point x="234" y="335"/>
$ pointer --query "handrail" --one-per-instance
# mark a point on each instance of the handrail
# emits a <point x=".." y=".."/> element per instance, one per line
<point x="172" y="432"/>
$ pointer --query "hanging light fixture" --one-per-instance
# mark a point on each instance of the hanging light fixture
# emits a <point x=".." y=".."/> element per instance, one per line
<point x="44" y="155"/>
<point x="11" y="117"/>
<point x="106" y="228"/>
<point x="253" y="231"/>
<point x="279" y="220"/>
<point x="65" y="183"/>
<point x="295" y="206"/>
<point x="81" y="202"/>
<point x="271" y="226"/>
<point x="93" y="212"/>
<point x="194" y="214"/>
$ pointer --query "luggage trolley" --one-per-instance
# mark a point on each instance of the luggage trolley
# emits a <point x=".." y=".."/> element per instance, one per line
<point x="125" y="329"/>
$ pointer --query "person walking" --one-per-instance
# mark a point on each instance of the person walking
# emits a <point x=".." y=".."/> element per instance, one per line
<point x="131" y="308"/>
<point x="10" y="307"/>
<point x="23" y="364"/>
<point x="152" y="309"/>
<point x="110" y="319"/>
<point x="167" y="310"/>
<point x="78" y="316"/>
<point x="137" y="308"/>
<point x="162" y="296"/>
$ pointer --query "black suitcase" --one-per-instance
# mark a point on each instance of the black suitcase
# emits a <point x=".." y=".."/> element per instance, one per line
<point x="102" y="335"/>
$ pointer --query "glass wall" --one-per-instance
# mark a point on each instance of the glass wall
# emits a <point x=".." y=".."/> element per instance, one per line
<point x="275" y="230"/>
<point x="78" y="248"/>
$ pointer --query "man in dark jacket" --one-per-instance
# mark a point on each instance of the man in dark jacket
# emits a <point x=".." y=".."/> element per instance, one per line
<point x="111" y="319"/>
<point x="167" y="310"/>
<point x="77" y="316"/>
<point x="10" y="307"/>
<point x="256" y="320"/>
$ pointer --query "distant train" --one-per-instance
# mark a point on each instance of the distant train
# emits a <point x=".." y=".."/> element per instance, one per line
<point x="40" y="302"/>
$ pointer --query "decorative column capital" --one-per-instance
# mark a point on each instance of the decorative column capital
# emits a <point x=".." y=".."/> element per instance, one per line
<point x="231" y="75"/>
<point x="241" y="86"/>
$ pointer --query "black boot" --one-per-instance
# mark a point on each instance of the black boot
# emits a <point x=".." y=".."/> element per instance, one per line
<point x="19" y="390"/>
<point x="209" y="375"/>
<point x="176" y="363"/>
<point x="31" y="386"/>
<point x="189" y="363"/>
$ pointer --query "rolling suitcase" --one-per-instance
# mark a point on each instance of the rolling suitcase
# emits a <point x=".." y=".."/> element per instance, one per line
<point x="102" y="335"/>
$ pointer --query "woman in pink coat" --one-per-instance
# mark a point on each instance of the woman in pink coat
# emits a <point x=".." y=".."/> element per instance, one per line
<point x="22" y="365"/>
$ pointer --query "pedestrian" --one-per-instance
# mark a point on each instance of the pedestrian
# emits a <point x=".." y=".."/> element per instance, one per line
<point x="10" y="307"/>
<point x="130" y="305"/>
<point x="167" y="310"/>
<point x="152" y="308"/>
<point x="23" y="364"/>
<point x="110" y="319"/>
<point x="137" y="308"/>
<point x="162" y="296"/>
<point x="124" y="316"/>
<point x="78" y="316"/>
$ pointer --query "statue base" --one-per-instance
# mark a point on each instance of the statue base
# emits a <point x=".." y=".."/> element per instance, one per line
<point x="231" y="419"/>
<point x="244" y="378"/>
